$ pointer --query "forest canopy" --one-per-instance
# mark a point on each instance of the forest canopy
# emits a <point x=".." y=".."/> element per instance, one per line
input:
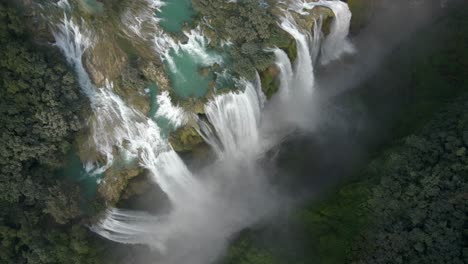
<point x="40" y="107"/>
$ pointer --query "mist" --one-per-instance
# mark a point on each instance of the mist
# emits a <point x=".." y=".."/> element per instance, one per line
<point x="211" y="204"/>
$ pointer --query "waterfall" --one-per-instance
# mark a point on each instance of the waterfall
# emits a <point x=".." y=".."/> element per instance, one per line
<point x="176" y="115"/>
<point x="286" y="72"/>
<point x="312" y="47"/>
<point x="235" y="119"/>
<point x="118" y="129"/>
<point x="317" y="39"/>
<point x="117" y="126"/>
<point x="73" y="43"/>
<point x="128" y="232"/>
<point x="205" y="211"/>
<point x="209" y="205"/>
<point x="336" y="43"/>
<point x="303" y="67"/>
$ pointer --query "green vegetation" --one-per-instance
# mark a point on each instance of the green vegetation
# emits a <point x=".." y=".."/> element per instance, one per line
<point x="409" y="205"/>
<point x="185" y="139"/>
<point x="419" y="206"/>
<point x="362" y="12"/>
<point x="39" y="113"/>
<point x="270" y="81"/>
<point x="250" y="26"/>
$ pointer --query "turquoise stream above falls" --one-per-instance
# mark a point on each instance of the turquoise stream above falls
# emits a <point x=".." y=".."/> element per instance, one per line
<point x="74" y="170"/>
<point x="174" y="14"/>
<point x="186" y="79"/>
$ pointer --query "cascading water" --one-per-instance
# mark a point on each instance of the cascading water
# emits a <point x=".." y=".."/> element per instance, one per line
<point x="235" y="118"/>
<point x="295" y="105"/>
<point x="286" y="72"/>
<point x="184" y="62"/>
<point x="196" y="46"/>
<point x="115" y="125"/>
<point x="176" y="115"/>
<point x="226" y="196"/>
<point x="194" y="203"/>
<point x="303" y="68"/>
<point x="73" y="44"/>
<point x="317" y="38"/>
<point x="141" y="21"/>
<point x="336" y="43"/>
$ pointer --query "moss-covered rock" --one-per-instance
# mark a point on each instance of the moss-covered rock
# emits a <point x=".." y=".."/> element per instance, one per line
<point x="269" y="79"/>
<point x="137" y="186"/>
<point x="116" y="180"/>
<point x="130" y="86"/>
<point x="291" y="50"/>
<point x="185" y="139"/>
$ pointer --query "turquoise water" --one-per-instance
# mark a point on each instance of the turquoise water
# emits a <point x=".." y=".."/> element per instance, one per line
<point x="91" y="6"/>
<point x="175" y="13"/>
<point x="75" y="171"/>
<point x="225" y="81"/>
<point x="186" y="79"/>
<point x="153" y="91"/>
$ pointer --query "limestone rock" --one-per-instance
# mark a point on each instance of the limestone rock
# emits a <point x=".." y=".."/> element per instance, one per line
<point x="105" y="61"/>
<point x="116" y="180"/>
<point x="156" y="73"/>
<point x="185" y="139"/>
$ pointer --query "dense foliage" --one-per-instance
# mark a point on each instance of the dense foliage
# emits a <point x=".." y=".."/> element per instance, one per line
<point x="39" y="114"/>
<point x="419" y="206"/>
<point x="250" y="25"/>
<point x="410" y="204"/>
<point x="411" y="207"/>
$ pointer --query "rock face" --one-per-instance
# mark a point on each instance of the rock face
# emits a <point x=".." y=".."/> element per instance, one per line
<point x="269" y="79"/>
<point x="362" y="11"/>
<point x="116" y="180"/>
<point x="156" y="73"/>
<point x="105" y="61"/>
<point x="185" y="139"/>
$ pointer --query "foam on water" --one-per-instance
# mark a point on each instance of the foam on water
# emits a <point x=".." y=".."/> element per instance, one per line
<point x="208" y="206"/>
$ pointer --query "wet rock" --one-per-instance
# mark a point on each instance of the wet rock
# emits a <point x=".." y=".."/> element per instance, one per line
<point x="204" y="71"/>
<point x="116" y="180"/>
<point x="131" y="87"/>
<point x="105" y="61"/>
<point x="185" y="139"/>
<point x="137" y="186"/>
<point x="269" y="78"/>
<point x="156" y="73"/>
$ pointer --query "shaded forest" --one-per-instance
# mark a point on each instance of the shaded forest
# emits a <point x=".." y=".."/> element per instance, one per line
<point x="407" y="205"/>
<point x="40" y="113"/>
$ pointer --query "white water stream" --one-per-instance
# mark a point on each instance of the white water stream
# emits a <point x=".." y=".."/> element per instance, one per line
<point x="232" y="192"/>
